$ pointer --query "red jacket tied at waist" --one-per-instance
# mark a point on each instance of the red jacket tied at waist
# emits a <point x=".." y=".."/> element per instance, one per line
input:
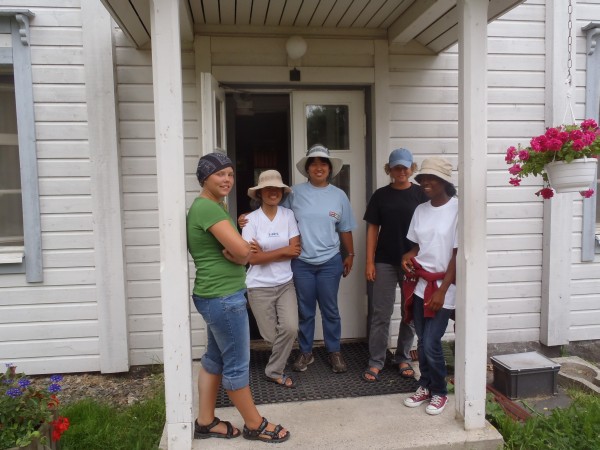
<point x="410" y="283"/>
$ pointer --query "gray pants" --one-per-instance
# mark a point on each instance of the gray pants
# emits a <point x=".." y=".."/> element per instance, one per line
<point x="276" y="312"/>
<point x="387" y="278"/>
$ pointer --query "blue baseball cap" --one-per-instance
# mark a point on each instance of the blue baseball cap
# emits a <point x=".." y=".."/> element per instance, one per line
<point x="401" y="156"/>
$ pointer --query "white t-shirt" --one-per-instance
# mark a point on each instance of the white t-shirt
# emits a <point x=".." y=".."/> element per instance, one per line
<point x="435" y="229"/>
<point x="270" y="235"/>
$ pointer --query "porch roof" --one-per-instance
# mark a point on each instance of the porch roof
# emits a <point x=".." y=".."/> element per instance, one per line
<point x="432" y="23"/>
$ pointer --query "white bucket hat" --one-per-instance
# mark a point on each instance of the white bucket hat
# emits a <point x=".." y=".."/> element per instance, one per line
<point x="268" y="178"/>
<point x="438" y="166"/>
<point x="320" y="151"/>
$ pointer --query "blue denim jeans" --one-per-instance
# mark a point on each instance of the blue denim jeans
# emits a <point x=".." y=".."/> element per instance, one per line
<point x="228" y="338"/>
<point x="430" y="331"/>
<point x="318" y="283"/>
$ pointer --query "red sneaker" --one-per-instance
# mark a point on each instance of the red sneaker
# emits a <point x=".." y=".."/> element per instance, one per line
<point x="436" y="405"/>
<point x="418" y="398"/>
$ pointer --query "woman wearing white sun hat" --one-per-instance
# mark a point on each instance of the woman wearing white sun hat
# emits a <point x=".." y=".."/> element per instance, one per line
<point x="325" y="220"/>
<point x="274" y="240"/>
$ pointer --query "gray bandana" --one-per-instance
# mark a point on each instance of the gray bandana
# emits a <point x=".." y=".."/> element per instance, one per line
<point x="211" y="163"/>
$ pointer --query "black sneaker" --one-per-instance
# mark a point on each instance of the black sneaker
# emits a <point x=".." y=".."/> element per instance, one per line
<point x="302" y="362"/>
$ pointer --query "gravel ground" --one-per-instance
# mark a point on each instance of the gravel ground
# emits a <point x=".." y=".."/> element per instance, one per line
<point x="116" y="389"/>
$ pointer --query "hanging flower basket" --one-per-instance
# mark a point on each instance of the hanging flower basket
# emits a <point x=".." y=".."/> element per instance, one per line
<point x="571" y="149"/>
<point x="576" y="176"/>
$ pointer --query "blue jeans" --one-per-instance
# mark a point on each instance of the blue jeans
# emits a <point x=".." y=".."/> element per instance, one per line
<point x="228" y="338"/>
<point x="430" y="331"/>
<point x="318" y="283"/>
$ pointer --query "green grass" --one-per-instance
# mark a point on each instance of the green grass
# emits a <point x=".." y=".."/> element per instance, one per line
<point x="96" y="425"/>
<point x="575" y="427"/>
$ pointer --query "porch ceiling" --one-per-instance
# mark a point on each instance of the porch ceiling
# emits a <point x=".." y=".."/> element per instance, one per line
<point x="432" y="23"/>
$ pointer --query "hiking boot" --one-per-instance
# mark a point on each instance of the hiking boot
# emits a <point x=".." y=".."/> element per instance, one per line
<point x="338" y="365"/>
<point x="418" y="398"/>
<point x="437" y="404"/>
<point x="302" y="362"/>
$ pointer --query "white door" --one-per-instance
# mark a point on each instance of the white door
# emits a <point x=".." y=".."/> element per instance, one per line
<point x="336" y="119"/>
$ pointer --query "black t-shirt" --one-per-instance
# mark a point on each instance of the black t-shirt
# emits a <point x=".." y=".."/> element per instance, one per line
<point x="392" y="210"/>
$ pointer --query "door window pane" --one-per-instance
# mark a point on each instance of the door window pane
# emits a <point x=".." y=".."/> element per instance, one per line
<point x="328" y="125"/>
<point x="11" y="218"/>
<point x="342" y="179"/>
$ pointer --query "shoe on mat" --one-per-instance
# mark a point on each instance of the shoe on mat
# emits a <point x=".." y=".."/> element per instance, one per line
<point x="436" y="405"/>
<point x="262" y="434"/>
<point x="403" y="370"/>
<point x="418" y="398"/>
<point x="203" y="431"/>
<point x="338" y="365"/>
<point x="372" y="373"/>
<point x="302" y="362"/>
<point x="285" y="381"/>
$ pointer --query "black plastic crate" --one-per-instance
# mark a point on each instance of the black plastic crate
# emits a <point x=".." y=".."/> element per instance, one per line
<point x="522" y="375"/>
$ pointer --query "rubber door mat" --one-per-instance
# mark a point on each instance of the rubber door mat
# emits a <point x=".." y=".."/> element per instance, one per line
<point x="318" y="382"/>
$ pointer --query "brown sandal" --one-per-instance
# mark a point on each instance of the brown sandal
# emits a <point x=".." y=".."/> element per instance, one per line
<point x="203" y="431"/>
<point x="262" y="434"/>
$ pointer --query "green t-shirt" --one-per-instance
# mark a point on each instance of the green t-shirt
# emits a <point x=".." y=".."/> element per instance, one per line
<point x="216" y="276"/>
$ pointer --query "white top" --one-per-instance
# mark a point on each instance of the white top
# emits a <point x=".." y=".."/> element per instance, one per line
<point x="270" y="235"/>
<point x="435" y="229"/>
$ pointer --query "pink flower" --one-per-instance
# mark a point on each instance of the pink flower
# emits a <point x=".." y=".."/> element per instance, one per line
<point x="563" y="136"/>
<point x="539" y="143"/>
<point x="523" y="155"/>
<point x="578" y="145"/>
<point x="589" y="137"/>
<point x="510" y="154"/>
<point x="588" y="193"/>
<point x="576" y="134"/>
<point x="551" y="133"/>
<point x="515" y="181"/>
<point x="515" y="169"/>
<point x="545" y="193"/>
<point x="554" y="144"/>
<point x="589" y="123"/>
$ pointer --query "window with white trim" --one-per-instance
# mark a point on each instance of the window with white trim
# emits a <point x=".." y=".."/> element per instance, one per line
<point x="20" y="224"/>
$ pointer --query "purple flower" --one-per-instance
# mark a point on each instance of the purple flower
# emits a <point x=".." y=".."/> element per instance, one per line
<point x="7" y="381"/>
<point x="54" y="388"/>
<point x="56" y="378"/>
<point x="24" y="382"/>
<point x="14" y="392"/>
<point x="8" y="365"/>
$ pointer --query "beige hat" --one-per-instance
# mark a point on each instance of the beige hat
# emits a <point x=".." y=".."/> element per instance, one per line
<point x="435" y="165"/>
<point x="320" y="151"/>
<point x="268" y="178"/>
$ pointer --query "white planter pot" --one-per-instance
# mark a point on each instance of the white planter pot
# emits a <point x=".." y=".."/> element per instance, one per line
<point x="578" y="175"/>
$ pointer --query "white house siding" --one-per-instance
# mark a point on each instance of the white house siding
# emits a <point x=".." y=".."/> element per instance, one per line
<point x="52" y="326"/>
<point x="585" y="284"/>
<point x="138" y="167"/>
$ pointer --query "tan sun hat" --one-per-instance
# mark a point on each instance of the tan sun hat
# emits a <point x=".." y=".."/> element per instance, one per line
<point x="437" y="166"/>
<point x="319" y="151"/>
<point x="268" y="178"/>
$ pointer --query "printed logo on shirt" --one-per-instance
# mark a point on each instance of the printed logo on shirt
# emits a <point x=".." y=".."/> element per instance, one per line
<point x="273" y="234"/>
<point x="335" y="215"/>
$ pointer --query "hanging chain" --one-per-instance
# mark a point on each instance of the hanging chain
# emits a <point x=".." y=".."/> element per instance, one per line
<point x="570" y="45"/>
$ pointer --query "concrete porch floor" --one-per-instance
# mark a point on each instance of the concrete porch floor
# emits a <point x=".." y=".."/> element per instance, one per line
<point x="375" y="422"/>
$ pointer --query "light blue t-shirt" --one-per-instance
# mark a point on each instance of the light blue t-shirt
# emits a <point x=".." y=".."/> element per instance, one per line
<point x="321" y="212"/>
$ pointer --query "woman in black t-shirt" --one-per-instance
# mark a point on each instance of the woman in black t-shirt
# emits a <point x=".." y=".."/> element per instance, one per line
<point x="388" y="217"/>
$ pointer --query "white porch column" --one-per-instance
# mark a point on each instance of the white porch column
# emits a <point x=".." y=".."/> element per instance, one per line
<point x="174" y="281"/>
<point x="472" y="276"/>
<point x="558" y="212"/>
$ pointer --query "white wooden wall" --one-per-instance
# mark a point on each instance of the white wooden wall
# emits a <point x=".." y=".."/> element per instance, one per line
<point x="52" y="326"/>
